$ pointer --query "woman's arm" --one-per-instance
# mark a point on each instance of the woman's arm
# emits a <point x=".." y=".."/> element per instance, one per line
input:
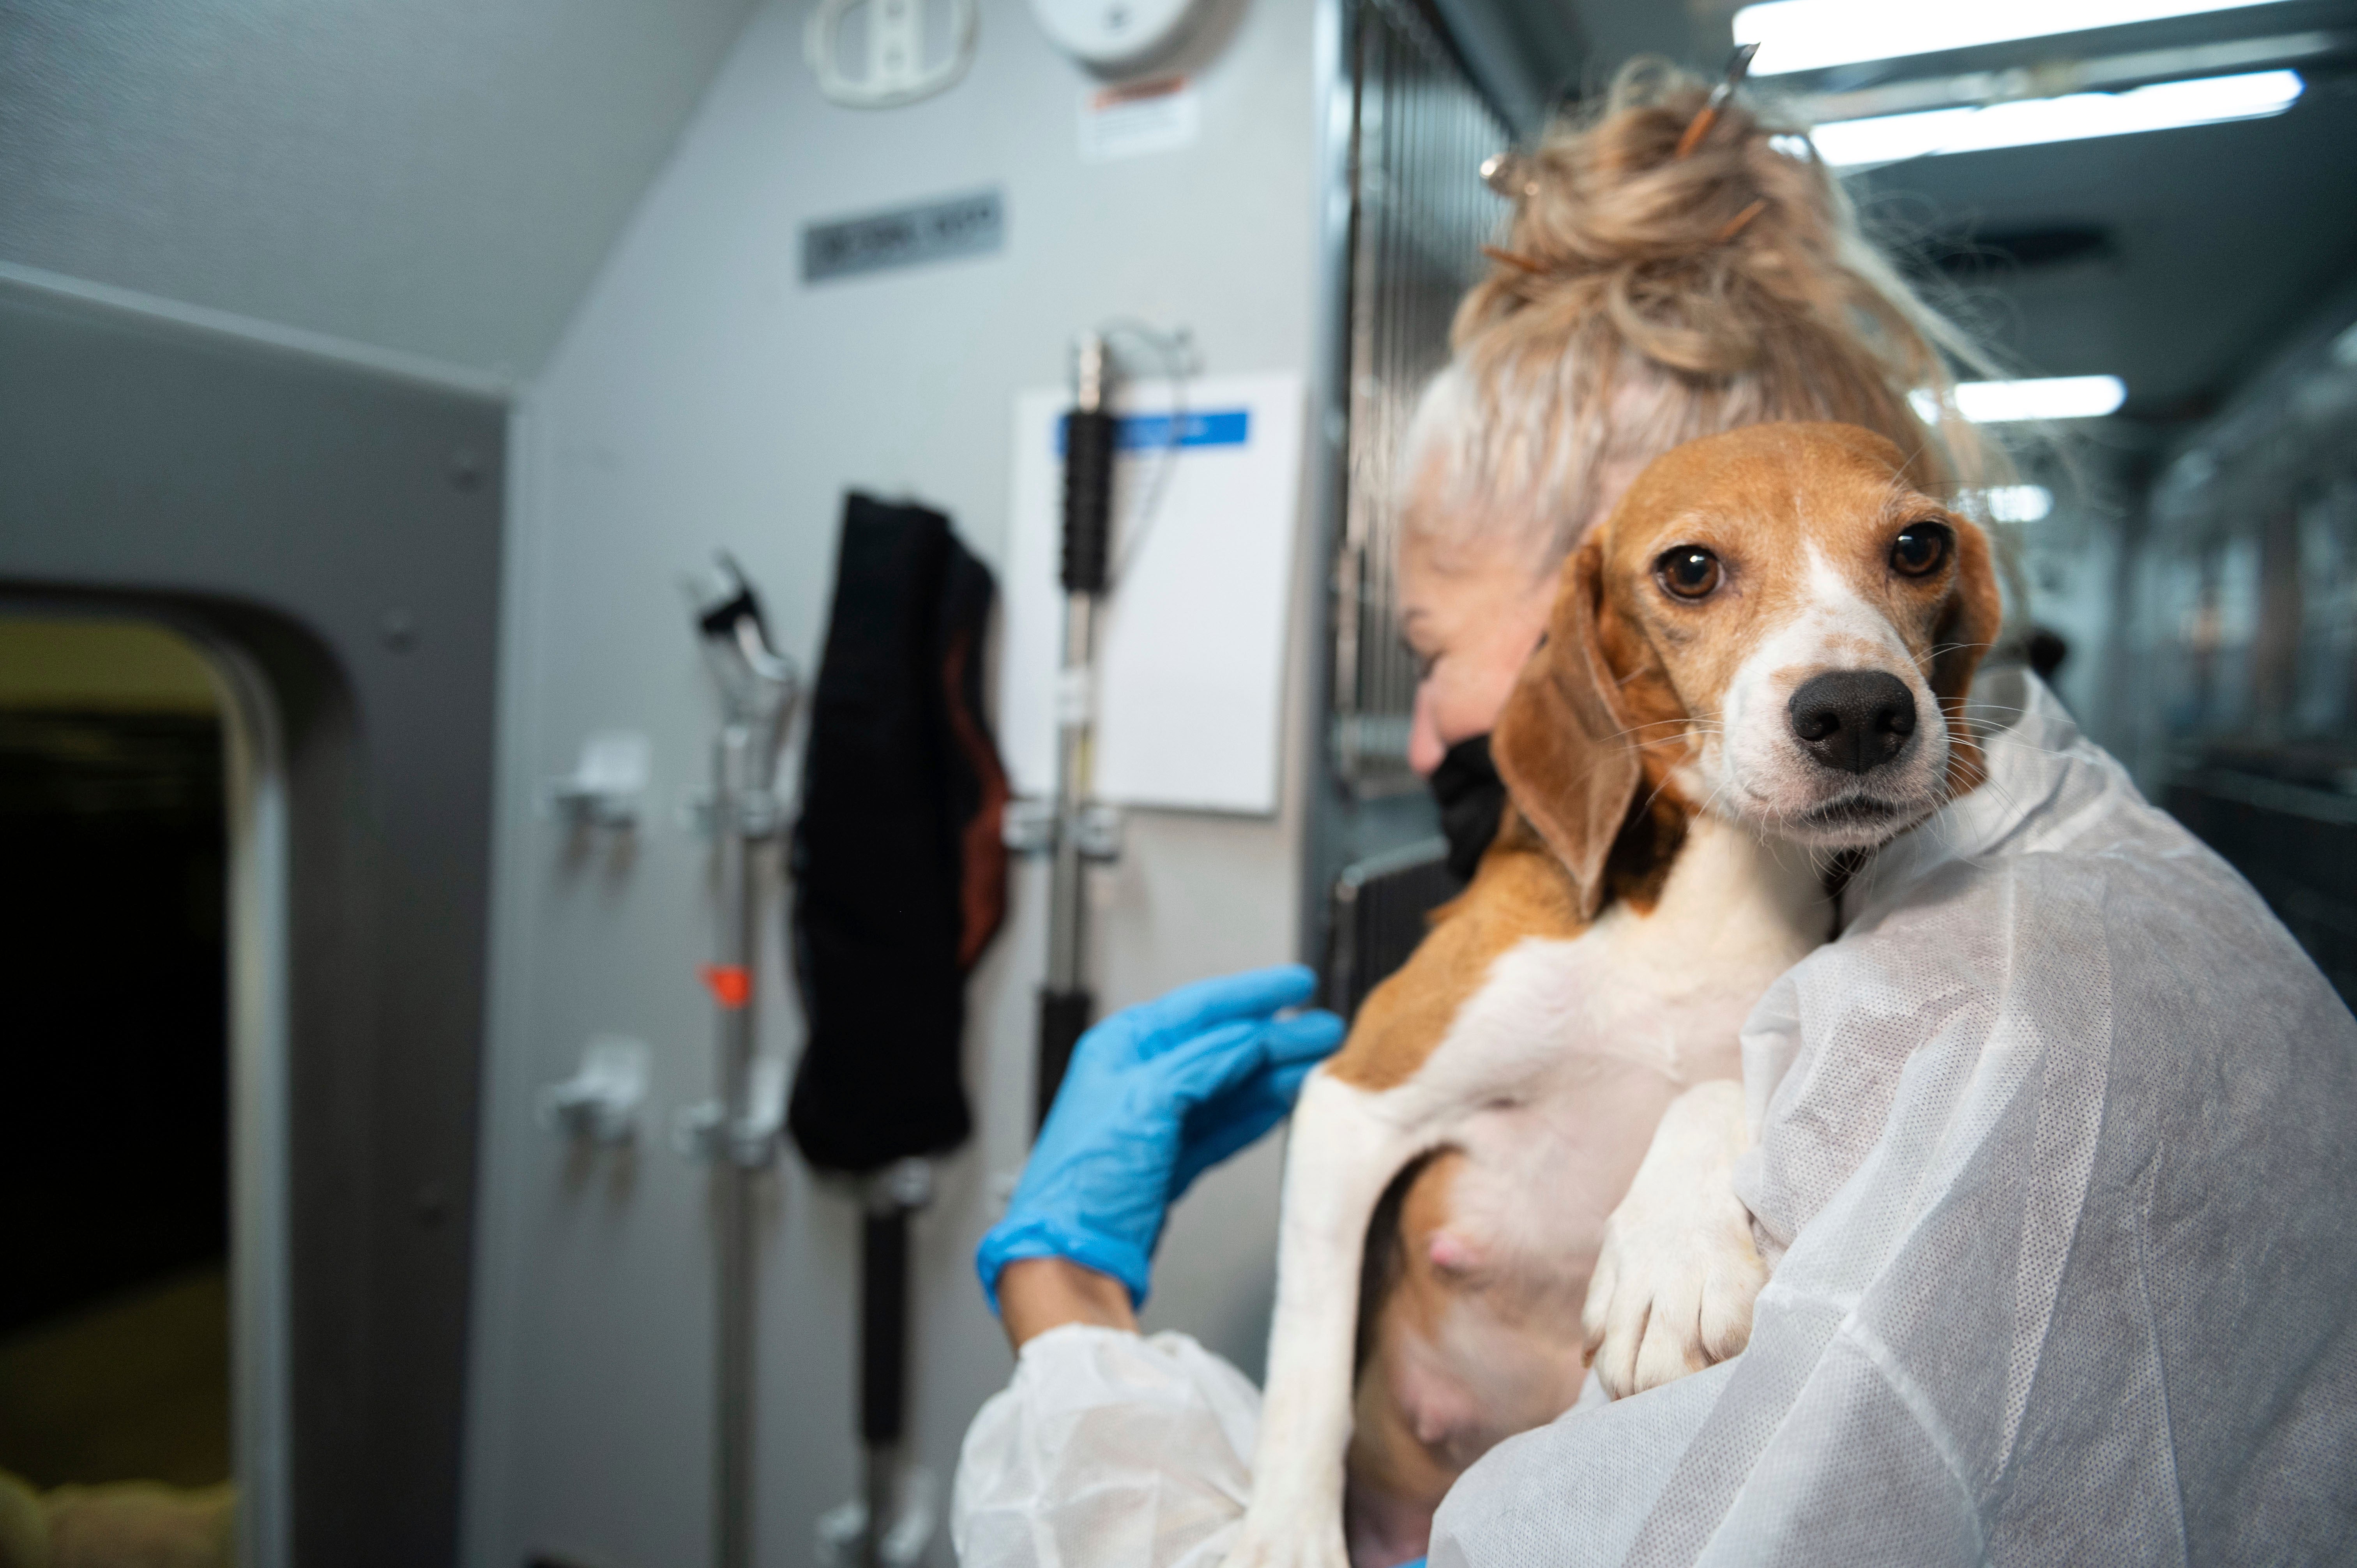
<point x="1155" y="1095"/>
<point x="1106" y="1448"/>
<point x="1052" y="1469"/>
<point x="1036" y="1295"/>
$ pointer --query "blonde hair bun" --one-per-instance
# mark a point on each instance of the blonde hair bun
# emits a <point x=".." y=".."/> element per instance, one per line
<point x="1607" y="210"/>
<point x="1641" y="298"/>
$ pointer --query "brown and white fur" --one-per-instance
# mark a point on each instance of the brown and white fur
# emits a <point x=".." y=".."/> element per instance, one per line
<point x="1561" y="1052"/>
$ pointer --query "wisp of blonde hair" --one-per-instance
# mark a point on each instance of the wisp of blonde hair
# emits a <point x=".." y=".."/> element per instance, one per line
<point x="1641" y="299"/>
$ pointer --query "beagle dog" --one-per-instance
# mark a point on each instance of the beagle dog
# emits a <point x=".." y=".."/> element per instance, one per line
<point x="1754" y="671"/>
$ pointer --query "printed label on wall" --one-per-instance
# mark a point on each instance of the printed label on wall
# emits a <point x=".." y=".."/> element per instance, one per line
<point x="971" y="225"/>
<point x="1136" y="118"/>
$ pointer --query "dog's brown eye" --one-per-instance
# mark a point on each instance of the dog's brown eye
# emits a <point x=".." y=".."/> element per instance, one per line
<point x="1689" y="571"/>
<point x="1921" y="549"/>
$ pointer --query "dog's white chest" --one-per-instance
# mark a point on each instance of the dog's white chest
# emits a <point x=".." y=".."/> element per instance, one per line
<point x="1554" y="1074"/>
<point x="1550" y="1082"/>
<point x="1666" y="992"/>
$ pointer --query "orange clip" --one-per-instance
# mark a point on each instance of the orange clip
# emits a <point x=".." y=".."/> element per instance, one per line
<point x="1737" y="225"/>
<point x="731" y="984"/>
<point x="1512" y="259"/>
<point x="1738" y="66"/>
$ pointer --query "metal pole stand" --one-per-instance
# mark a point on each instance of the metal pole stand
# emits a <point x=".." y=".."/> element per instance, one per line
<point x="737" y="1131"/>
<point x="900" y="1496"/>
<point x="1090" y="432"/>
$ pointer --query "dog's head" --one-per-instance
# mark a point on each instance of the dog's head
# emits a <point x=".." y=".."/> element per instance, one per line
<point x="1773" y="627"/>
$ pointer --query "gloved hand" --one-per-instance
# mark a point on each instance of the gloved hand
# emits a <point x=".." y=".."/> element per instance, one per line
<point x="1155" y="1095"/>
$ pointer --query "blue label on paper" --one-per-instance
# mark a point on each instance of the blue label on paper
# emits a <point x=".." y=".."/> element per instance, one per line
<point x="1146" y="432"/>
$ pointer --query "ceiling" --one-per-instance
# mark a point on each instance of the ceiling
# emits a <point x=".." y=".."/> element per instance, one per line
<point x="441" y="177"/>
<point x="2216" y="242"/>
<point x="2222" y="238"/>
<point x="445" y="176"/>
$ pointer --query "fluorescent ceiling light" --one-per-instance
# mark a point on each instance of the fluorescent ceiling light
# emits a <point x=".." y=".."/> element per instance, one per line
<point x="2053" y="397"/>
<point x="2029" y="121"/>
<point x="2019" y="503"/>
<point x="1810" y="35"/>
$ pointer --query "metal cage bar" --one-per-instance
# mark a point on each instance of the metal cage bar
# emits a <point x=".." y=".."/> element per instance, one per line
<point x="1419" y="217"/>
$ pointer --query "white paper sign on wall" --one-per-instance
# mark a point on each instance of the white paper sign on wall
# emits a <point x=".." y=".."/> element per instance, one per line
<point x="1192" y="651"/>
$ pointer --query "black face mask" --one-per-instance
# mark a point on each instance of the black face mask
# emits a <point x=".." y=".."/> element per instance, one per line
<point x="1472" y="798"/>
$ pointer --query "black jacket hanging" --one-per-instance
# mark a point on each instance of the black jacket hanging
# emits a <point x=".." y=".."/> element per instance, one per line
<point x="900" y="869"/>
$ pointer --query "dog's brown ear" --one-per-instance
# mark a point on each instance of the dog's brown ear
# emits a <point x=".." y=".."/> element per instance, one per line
<point x="1564" y="745"/>
<point x="1971" y="621"/>
<point x="1967" y="627"/>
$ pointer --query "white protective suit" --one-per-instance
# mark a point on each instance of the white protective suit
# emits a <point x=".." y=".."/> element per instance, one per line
<point x="2056" y="1168"/>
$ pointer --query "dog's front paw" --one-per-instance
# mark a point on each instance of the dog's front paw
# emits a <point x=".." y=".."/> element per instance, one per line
<point x="1300" y="1542"/>
<point x="1671" y="1294"/>
<point x="1678" y="1272"/>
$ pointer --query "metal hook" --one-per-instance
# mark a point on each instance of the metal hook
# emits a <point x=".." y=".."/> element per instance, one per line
<point x="758" y="683"/>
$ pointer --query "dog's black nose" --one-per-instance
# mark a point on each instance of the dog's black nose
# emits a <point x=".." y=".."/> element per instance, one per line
<point x="1853" y="720"/>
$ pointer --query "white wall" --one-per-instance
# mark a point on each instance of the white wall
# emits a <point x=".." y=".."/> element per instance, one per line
<point x="703" y="396"/>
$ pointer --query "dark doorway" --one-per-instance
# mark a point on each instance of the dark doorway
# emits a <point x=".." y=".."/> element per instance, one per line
<point x="115" y="1314"/>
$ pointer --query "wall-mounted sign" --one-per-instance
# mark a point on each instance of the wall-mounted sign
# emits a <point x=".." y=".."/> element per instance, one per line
<point x="971" y="225"/>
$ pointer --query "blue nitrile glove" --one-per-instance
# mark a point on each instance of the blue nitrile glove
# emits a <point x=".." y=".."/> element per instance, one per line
<point x="1157" y="1094"/>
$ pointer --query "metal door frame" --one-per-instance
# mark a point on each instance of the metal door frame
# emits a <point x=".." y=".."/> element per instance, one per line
<point x="1357" y="811"/>
<point x="325" y="521"/>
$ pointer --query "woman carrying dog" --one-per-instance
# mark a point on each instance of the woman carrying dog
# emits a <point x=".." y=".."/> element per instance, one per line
<point x="2050" y="1160"/>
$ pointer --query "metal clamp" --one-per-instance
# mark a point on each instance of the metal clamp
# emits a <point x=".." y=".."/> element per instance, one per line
<point x="600" y="1102"/>
<point x="1097" y="829"/>
<point x="700" y="1131"/>
<point x="1031" y="828"/>
<point x="759" y="815"/>
<point x="842" y="1540"/>
<point x="904" y="1184"/>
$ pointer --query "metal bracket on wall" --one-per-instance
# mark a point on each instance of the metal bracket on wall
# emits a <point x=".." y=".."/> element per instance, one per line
<point x="759" y="814"/>
<point x="600" y="1102"/>
<point x="605" y="786"/>
<point x="702" y="1132"/>
<point x="1097" y="829"/>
